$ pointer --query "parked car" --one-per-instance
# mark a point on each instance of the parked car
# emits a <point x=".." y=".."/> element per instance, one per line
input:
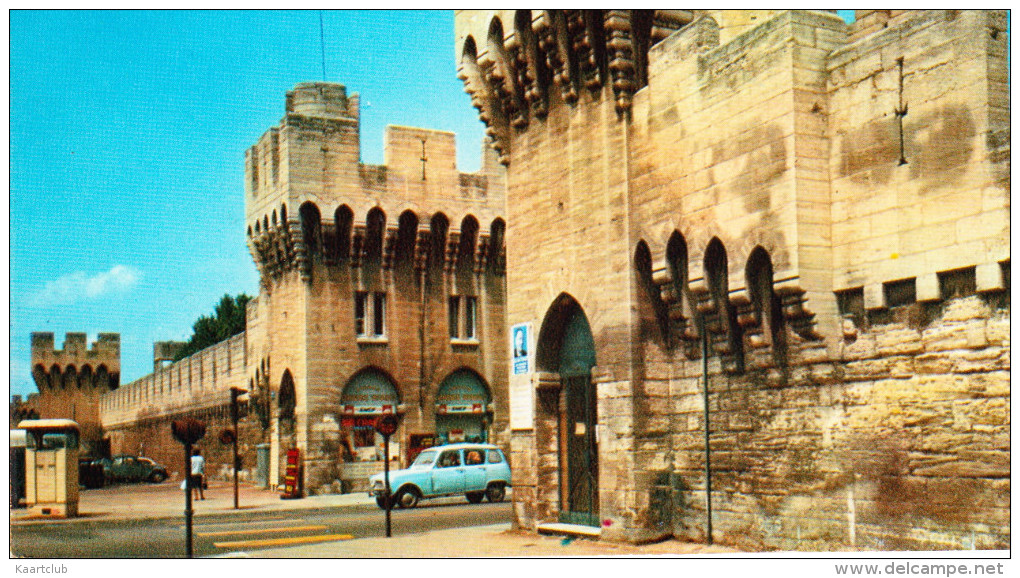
<point x="476" y="470"/>
<point x="127" y="468"/>
<point x="91" y="473"/>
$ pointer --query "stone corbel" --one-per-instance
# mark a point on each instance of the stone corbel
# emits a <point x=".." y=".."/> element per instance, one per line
<point x="452" y="248"/>
<point x="583" y="44"/>
<point x="357" y="245"/>
<point x="389" y="248"/>
<point x="622" y="67"/>
<point x="558" y="54"/>
<point x="750" y="320"/>
<point x="531" y="79"/>
<point x="795" y="311"/>
<point x="481" y="254"/>
<point x="301" y="259"/>
<point x="421" y="251"/>
<point x="328" y="233"/>
<point x="666" y="22"/>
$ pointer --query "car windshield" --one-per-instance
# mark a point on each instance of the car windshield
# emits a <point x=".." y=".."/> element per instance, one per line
<point x="424" y="459"/>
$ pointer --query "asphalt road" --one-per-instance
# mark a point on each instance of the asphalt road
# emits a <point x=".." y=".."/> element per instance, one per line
<point x="236" y="533"/>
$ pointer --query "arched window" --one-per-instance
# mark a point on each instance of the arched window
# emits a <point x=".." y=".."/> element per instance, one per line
<point x="375" y="229"/>
<point x="85" y="380"/>
<point x="311" y="231"/>
<point x="724" y="318"/>
<point x="407" y="236"/>
<point x="41" y="378"/>
<point x="287" y="399"/>
<point x="468" y="240"/>
<point x="344" y="220"/>
<point x="103" y="378"/>
<point x="643" y="268"/>
<point x="767" y="307"/>
<point x="438" y="228"/>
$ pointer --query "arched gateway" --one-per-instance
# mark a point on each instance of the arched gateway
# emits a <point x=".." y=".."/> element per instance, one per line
<point x="566" y="347"/>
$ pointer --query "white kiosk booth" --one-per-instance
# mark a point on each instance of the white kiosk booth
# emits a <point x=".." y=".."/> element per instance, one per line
<point x="51" y="466"/>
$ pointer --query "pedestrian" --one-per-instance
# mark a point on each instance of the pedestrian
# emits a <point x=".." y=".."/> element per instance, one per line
<point x="198" y="473"/>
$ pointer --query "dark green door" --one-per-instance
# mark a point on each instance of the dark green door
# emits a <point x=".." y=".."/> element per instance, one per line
<point x="579" y="467"/>
<point x="582" y="452"/>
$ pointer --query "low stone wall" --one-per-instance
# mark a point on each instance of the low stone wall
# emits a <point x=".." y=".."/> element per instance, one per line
<point x="151" y="437"/>
<point x="900" y="442"/>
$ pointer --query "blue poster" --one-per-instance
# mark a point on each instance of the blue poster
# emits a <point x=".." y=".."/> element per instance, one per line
<point x="520" y="343"/>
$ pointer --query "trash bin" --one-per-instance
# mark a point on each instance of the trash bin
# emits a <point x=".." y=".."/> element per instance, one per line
<point x="262" y="465"/>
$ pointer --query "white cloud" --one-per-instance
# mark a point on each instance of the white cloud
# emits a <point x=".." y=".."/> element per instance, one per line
<point x="78" y="286"/>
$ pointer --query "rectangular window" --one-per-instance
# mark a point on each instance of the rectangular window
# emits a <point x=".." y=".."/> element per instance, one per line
<point x="470" y="312"/>
<point x="454" y="317"/>
<point x="360" y="311"/>
<point x="370" y="314"/>
<point x="379" y="315"/>
<point x="463" y="317"/>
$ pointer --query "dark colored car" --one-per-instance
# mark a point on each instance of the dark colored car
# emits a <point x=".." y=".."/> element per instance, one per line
<point x="91" y="473"/>
<point x="125" y="468"/>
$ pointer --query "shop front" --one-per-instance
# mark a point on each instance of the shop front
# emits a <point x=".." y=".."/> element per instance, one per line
<point x="368" y="395"/>
<point x="462" y="408"/>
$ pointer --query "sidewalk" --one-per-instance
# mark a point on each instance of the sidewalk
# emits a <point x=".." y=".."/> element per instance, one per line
<point x="496" y="541"/>
<point x="166" y="500"/>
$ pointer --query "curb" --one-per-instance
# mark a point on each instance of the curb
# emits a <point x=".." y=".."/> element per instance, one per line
<point x="85" y="517"/>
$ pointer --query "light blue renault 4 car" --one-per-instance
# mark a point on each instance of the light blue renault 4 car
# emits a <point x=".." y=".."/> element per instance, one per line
<point x="476" y="470"/>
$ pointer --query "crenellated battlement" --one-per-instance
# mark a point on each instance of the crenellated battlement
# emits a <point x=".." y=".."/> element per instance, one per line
<point x="201" y="380"/>
<point x="308" y="196"/>
<point x="76" y="366"/>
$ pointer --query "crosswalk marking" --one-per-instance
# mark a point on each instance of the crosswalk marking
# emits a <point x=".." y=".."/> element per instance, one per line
<point x="251" y="523"/>
<point x="283" y="541"/>
<point x="262" y="530"/>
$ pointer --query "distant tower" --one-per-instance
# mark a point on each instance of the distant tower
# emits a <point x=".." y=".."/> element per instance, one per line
<point x="71" y="381"/>
<point x="164" y="353"/>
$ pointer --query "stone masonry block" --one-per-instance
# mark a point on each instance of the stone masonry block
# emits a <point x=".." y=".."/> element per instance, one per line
<point x="874" y="296"/>
<point x="989" y="277"/>
<point x="928" y="287"/>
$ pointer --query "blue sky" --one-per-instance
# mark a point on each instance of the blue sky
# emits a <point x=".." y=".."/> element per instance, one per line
<point x="128" y="132"/>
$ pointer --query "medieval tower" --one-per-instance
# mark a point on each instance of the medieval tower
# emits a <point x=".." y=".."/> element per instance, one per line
<point x="762" y="253"/>
<point x="382" y="289"/>
<point x="72" y="380"/>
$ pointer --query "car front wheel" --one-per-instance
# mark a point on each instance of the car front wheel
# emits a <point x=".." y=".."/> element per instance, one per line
<point x="495" y="493"/>
<point x="379" y="501"/>
<point x="407" y="498"/>
<point x="475" y="497"/>
<point x="157" y="477"/>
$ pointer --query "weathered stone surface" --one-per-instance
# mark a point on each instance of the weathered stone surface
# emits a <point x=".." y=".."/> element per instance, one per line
<point x="659" y="194"/>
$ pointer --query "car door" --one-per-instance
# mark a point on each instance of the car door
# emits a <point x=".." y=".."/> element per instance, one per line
<point x="117" y="468"/>
<point x="448" y="473"/>
<point x="474" y="470"/>
<point x="131" y="468"/>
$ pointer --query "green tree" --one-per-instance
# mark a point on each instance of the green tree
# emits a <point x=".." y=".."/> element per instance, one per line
<point x="228" y="319"/>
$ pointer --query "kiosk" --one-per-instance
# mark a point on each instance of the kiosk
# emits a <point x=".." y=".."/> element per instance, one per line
<point x="51" y="466"/>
